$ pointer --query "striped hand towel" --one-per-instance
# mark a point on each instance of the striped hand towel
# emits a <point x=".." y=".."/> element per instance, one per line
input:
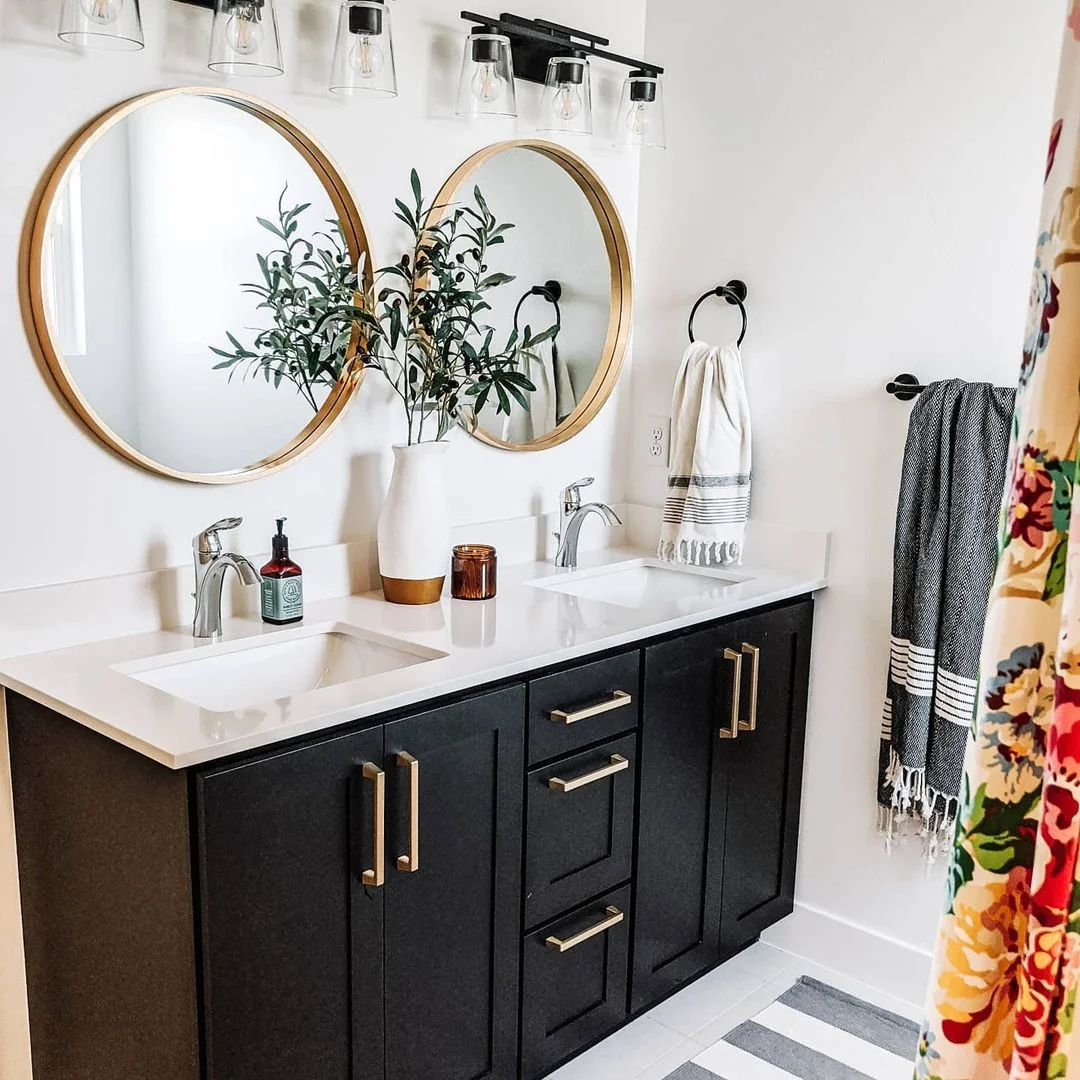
<point x="944" y="559"/>
<point x="709" y="482"/>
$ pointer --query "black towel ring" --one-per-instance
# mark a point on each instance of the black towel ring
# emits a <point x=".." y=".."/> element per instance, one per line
<point x="734" y="292"/>
<point x="551" y="291"/>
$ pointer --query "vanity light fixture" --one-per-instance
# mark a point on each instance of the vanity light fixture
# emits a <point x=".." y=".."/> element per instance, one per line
<point x="567" y="107"/>
<point x="364" y="52"/>
<point x="102" y="24"/>
<point x="244" y="39"/>
<point x="640" y="120"/>
<point x="487" y="76"/>
<point x="559" y="57"/>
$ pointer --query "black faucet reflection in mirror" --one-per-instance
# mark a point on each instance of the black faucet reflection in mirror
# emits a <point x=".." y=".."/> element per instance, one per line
<point x="905" y="387"/>
<point x="734" y="292"/>
<point x="535" y="42"/>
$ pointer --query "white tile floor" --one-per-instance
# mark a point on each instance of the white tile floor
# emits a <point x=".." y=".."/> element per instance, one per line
<point x="683" y="1026"/>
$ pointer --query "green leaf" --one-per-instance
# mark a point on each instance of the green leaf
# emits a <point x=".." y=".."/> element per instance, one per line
<point x="414" y="180"/>
<point x="271" y="227"/>
<point x="997" y="842"/>
<point x="1055" y="575"/>
<point x="960" y="873"/>
<point x="494" y="280"/>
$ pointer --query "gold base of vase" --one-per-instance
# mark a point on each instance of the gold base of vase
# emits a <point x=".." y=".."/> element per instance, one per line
<point x="413" y="591"/>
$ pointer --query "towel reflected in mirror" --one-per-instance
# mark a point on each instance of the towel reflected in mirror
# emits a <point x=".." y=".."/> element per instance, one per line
<point x="550" y="403"/>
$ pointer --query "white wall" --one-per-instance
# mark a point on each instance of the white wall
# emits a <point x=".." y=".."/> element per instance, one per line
<point x="873" y="172"/>
<point x="93" y="515"/>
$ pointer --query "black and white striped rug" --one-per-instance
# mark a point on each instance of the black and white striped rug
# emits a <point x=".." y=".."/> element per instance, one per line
<point x="812" y="1032"/>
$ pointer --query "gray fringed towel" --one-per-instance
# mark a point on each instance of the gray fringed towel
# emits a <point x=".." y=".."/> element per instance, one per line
<point x="944" y="559"/>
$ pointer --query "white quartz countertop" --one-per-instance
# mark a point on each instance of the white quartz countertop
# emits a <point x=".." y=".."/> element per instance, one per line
<point x="523" y="629"/>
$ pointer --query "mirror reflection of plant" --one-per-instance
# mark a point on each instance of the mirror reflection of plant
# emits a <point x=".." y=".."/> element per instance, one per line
<point x="422" y="325"/>
<point x="303" y="281"/>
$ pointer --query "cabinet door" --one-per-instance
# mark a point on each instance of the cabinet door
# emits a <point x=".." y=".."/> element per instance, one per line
<point x="452" y="931"/>
<point x="275" y="850"/>
<point x="764" y="773"/>
<point x="682" y="809"/>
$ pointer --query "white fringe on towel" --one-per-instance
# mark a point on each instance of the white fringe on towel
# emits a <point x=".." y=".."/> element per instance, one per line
<point x="917" y="810"/>
<point x="700" y="552"/>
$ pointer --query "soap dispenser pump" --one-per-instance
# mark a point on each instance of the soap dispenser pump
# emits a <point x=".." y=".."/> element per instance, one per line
<point x="282" y="584"/>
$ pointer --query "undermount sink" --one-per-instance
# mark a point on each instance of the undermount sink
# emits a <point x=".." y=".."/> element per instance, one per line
<point x="642" y="583"/>
<point x="237" y="675"/>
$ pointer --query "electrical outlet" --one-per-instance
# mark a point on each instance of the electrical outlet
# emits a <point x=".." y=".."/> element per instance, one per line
<point x="657" y="446"/>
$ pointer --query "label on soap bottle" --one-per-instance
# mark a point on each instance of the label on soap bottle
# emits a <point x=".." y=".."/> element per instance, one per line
<point x="283" y="598"/>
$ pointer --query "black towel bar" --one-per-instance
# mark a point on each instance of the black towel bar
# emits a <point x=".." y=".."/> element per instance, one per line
<point x="905" y="387"/>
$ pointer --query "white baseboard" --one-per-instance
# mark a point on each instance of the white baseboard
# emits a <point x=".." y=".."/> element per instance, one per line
<point x="883" y="962"/>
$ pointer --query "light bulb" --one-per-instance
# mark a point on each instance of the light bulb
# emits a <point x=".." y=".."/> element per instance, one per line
<point x="243" y="32"/>
<point x="486" y="84"/>
<point x="102" y="11"/>
<point x="637" y="118"/>
<point x="567" y="102"/>
<point x="367" y="57"/>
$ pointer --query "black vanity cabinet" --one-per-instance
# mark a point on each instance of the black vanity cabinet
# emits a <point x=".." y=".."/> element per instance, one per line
<point x="477" y="890"/>
<point x="721" y="776"/>
<point x="361" y="902"/>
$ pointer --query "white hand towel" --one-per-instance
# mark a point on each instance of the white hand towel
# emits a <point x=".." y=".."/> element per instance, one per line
<point x="709" y="478"/>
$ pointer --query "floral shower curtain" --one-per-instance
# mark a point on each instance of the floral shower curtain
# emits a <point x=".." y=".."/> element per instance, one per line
<point x="1002" y="998"/>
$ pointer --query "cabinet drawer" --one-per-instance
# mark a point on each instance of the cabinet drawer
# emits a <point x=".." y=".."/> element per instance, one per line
<point x="574" y="708"/>
<point x="580" y="836"/>
<point x="574" y="982"/>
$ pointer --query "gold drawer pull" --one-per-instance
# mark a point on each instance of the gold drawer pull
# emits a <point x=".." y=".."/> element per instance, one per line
<point x="755" y="672"/>
<point x="612" y="917"/>
<point x="376" y="877"/>
<point x="618" y="764"/>
<point x="736" y="693"/>
<point x="619" y="700"/>
<point x="411" y="863"/>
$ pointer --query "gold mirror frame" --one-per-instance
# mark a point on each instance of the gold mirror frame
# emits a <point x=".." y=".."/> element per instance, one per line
<point x="35" y="316"/>
<point x="622" y="280"/>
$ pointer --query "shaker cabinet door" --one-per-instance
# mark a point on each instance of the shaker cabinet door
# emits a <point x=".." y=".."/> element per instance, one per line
<point x="763" y="768"/>
<point x="681" y="815"/>
<point x="278" y="845"/>
<point x="453" y="925"/>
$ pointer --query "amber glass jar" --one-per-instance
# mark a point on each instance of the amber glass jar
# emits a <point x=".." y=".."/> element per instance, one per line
<point x="474" y="572"/>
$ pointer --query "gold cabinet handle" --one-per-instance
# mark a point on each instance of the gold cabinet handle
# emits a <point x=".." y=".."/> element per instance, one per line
<point x="411" y="863"/>
<point x="618" y="764"/>
<point x="755" y="673"/>
<point x="612" y="917"/>
<point x="736" y="694"/>
<point x="619" y="700"/>
<point x="377" y="875"/>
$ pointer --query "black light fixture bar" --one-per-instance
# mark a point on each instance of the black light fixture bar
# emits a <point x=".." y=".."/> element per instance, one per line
<point x="208" y="4"/>
<point x="536" y="41"/>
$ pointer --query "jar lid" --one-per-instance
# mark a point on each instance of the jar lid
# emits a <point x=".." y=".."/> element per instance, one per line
<point x="474" y="551"/>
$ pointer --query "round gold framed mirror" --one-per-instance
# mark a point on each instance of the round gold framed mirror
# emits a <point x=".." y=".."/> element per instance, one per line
<point x="570" y="259"/>
<point x="176" y="265"/>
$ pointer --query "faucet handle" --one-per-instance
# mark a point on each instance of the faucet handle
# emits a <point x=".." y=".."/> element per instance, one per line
<point x="208" y="543"/>
<point x="572" y="492"/>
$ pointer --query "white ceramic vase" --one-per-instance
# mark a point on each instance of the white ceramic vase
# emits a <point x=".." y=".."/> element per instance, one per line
<point x="414" y="527"/>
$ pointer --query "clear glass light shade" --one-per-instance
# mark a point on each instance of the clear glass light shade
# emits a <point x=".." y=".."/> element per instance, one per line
<point x="364" y="53"/>
<point x="102" y="24"/>
<point x="487" y="78"/>
<point x="244" y="39"/>
<point x="567" y="104"/>
<point x="640" y="119"/>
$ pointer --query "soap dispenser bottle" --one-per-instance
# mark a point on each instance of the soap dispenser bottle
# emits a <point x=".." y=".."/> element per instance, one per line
<point x="282" y="584"/>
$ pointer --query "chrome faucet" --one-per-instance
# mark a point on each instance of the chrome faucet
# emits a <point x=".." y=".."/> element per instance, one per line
<point x="572" y="517"/>
<point x="210" y="566"/>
